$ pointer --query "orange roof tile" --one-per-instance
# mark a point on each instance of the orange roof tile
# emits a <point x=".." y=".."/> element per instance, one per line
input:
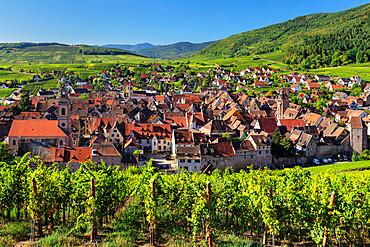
<point x="36" y="128"/>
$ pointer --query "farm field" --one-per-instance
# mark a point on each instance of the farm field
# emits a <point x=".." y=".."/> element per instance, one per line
<point x="10" y="75"/>
<point x="64" y="57"/>
<point x="340" y="167"/>
<point x="6" y="92"/>
<point x="173" y="207"/>
<point x="238" y="63"/>
<point x="34" y="87"/>
<point x="362" y="70"/>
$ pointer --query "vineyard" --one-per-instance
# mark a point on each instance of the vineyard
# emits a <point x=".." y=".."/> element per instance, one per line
<point x="140" y="206"/>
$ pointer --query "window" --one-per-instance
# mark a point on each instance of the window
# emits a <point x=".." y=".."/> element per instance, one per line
<point x="60" y="142"/>
<point x="197" y="161"/>
<point x="182" y="160"/>
<point x="259" y="152"/>
<point x="147" y="141"/>
<point x="63" y="111"/>
<point x="14" y="142"/>
<point x="189" y="161"/>
<point x="160" y="147"/>
<point x="63" y="125"/>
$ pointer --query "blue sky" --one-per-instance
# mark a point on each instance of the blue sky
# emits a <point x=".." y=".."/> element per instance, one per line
<point x="157" y="22"/>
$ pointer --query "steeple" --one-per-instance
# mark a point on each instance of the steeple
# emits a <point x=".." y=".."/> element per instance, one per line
<point x="282" y="105"/>
<point x="64" y="115"/>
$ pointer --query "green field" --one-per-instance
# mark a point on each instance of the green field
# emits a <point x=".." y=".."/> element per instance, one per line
<point x="34" y="87"/>
<point x="10" y="75"/>
<point x="6" y="92"/>
<point x="238" y="63"/>
<point x="274" y="56"/>
<point x="62" y="57"/>
<point x="362" y="70"/>
<point x="340" y="167"/>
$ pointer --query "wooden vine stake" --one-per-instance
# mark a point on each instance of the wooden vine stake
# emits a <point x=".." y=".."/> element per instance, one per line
<point x="38" y="218"/>
<point x="151" y="227"/>
<point x="208" y="225"/>
<point x="93" y="227"/>
<point x="265" y="233"/>
<point x="331" y="205"/>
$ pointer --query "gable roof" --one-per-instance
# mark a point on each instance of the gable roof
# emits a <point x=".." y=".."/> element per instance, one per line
<point x="269" y="125"/>
<point x="291" y="123"/>
<point x="36" y="128"/>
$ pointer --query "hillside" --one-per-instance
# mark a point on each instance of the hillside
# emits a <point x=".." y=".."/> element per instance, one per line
<point x="39" y="53"/>
<point x="174" y="51"/>
<point x="130" y="47"/>
<point x="310" y="41"/>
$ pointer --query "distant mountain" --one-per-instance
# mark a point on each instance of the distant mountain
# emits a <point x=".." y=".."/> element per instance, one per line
<point x="311" y="41"/>
<point x="173" y="51"/>
<point x="130" y="47"/>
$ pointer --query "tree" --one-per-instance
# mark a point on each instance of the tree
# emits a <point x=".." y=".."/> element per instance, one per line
<point x="24" y="105"/>
<point x="5" y="155"/>
<point x="281" y="147"/>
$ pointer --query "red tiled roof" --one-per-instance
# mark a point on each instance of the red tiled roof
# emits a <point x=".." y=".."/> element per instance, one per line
<point x="225" y="149"/>
<point x="269" y="125"/>
<point x="291" y="123"/>
<point x="72" y="154"/>
<point x="36" y="128"/>
<point x="180" y="121"/>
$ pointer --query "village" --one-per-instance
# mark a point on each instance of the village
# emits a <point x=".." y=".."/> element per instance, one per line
<point x="216" y="119"/>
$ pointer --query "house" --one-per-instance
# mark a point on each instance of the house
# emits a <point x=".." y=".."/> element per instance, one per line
<point x="215" y="128"/>
<point x="261" y="84"/>
<point x="313" y="119"/>
<point x="312" y="85"/>
<point x="351" y="104"/>
<point x="339" y="96"/>
<point x="322" y="78"/>
<point x="354" y="80"/>
<point x="291" y="123"/>
<point x="306" y="144"/>
<point x="3" y="86"/>
<point x="36" y="130"/>
<point x="189" y="158"/>
<point x="302" y="96"/>
<point x="268" y="125"/>
<point x="332" y="87"/>
<point x="295" y="87"/>
<point x="343" y="81"/>
<point x="359" y="101"/>
<point x="106" y="153"/>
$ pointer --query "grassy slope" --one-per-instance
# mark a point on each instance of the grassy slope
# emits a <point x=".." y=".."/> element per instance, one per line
<point x="10" y="75"/>
<point x="61" y="54"/>
<point x="362" y="70"/>
<point x="6" y="92"/>
<point x="350" y="166"/>
<point x="279" y="35"/>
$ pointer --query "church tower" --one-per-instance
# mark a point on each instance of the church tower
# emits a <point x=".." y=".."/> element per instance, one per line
<point x="282" y="105"/>
<point x="64" y="115"/>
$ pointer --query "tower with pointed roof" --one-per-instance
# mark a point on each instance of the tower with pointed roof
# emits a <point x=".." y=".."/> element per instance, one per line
<point x="64" y="115"/>
<point x="282" y="105"/>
